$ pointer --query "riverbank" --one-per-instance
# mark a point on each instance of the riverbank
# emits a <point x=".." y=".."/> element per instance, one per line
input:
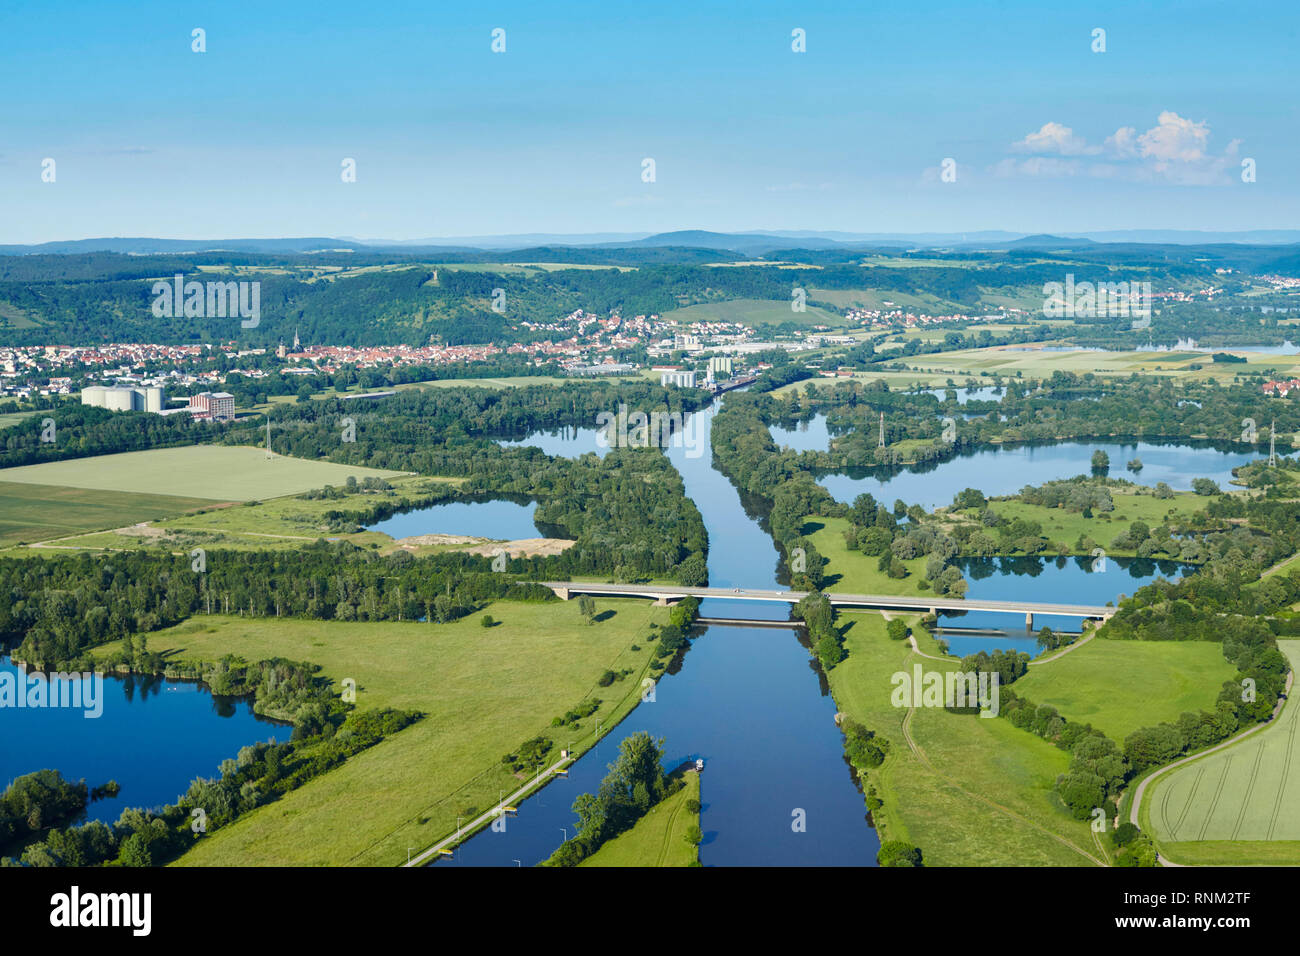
<point x="968" y="791"/>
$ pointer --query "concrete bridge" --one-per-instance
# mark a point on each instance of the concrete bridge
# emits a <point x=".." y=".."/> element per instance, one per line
<point x="664" y="595"/>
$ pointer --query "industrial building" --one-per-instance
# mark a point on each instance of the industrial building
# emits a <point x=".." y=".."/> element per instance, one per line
<point x="681" y="379"/>
<point x="125" y="398"/>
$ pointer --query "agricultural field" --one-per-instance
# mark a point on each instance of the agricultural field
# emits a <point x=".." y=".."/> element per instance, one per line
<point x="969" y="791"/>
<point x="1241" y="802"/>
<point x="1034" y="361"/>
<point x="32" y="512"/>
<point x="213" y="472"/>
<point x="659" y="837"/>
<point x="484" y="691"/>
<point x="1119" y="686"/>
<point x="280" y="523"/>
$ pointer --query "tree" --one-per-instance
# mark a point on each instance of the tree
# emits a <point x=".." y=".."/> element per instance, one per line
<point x="694" y="836"/>
<point x="898" y="853"/>
<point x="1100" y="462"/>
<point x="1135" y="465"/>
<point x="896" y="629"/>
<point x="1048" y="640"/>
<point x="587" y="608"/>
<point x="1204" y="486"/>
<point x="486" y="620"/>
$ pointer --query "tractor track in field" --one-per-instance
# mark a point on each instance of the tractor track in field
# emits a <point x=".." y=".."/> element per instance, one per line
<point x="1281" y="787"/>
<point x="1250" y="788"/>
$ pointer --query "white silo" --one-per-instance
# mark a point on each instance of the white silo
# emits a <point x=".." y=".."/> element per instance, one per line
<point x="119" y="399"/>
<point x="153" y="398"/>
<point x="93" y="395"/>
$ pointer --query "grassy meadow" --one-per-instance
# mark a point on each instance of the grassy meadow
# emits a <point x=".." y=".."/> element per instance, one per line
<point x="483" y="690"/>
<point x="969" y="791"/>
<point x="1119" y="686"/>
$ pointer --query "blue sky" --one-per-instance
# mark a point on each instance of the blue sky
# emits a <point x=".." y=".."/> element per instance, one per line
<point x="451" y="139"/>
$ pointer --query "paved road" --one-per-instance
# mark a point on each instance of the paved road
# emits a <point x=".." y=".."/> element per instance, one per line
<point x="884" y="601"/>
<point x="484" y="818"/>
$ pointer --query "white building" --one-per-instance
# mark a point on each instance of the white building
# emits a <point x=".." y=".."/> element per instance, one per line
<point x="123" y="398"/>
<point x="680" y="379"/>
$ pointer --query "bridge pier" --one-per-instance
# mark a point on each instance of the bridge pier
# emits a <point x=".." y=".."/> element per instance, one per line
<point x="561" y="593"/>
<point x="1029" y="621"/>
<point x="666" y="600"/>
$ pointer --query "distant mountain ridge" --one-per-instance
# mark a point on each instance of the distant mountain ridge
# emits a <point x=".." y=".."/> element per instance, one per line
<point x="752" y="243"/>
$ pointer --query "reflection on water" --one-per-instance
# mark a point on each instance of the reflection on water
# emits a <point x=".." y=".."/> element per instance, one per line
<point x="153" y="737"/>
<point x="498" y="519"/>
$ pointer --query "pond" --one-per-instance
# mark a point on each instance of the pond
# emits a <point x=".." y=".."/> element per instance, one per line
<point x="497" y="518"/>
<point x="1072" y="580"/>
<point x="153" y="736"/>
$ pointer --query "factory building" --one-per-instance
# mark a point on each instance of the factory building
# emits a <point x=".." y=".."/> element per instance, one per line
<point x="124" y="398"/>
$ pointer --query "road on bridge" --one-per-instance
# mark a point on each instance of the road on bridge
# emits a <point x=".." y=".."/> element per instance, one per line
<point x="886" y="602"/>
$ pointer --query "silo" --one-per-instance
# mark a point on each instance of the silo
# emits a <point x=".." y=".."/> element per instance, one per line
<point x="119" y="399"/>
<point x="93" y="395"/>
<point x="153" y="398"/>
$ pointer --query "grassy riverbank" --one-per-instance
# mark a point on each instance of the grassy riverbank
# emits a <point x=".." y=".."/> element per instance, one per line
<point x="659" y="837"/>
<point x="969" y="791"/>
<point x="484" y="691"/>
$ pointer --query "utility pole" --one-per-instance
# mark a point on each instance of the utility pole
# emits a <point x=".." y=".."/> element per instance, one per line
<point x="268" y="435"/>
<point x="882" y="430"/>
<point x="1272" y="444"/>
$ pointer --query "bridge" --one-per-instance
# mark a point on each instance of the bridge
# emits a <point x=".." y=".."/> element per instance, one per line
<point x="664" y="595"/>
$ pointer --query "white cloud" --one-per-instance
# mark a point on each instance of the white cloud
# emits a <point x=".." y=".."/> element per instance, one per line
<point x="1054" y="138"/>
<point x="1175" y="150"/>
<point x="1175" y="138"/>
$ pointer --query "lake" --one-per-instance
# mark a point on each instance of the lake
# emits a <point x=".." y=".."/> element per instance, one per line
<point x="153" y="737"/>
<point x="497" y="519"/>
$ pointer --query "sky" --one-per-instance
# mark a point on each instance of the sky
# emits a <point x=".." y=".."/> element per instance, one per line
<point x="1041" y="132"/>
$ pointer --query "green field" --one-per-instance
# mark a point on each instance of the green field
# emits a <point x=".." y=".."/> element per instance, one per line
<point x="975" y="791"/>
<point x="483" y="690"/>
<point x="31" y="512"/>
<point x="277" y="524"/>
<point x="1237" y="805"/>
<point x="1119" y="686"/>
<point x="852" y="571"/>
<point x="1034" y="362"/>
<point x="659" y="837"/>
<point x="215" y="472"/>
<point x="1067" y="526"/>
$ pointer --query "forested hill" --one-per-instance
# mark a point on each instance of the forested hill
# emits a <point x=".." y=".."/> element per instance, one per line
<point x="388" y="297"/>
